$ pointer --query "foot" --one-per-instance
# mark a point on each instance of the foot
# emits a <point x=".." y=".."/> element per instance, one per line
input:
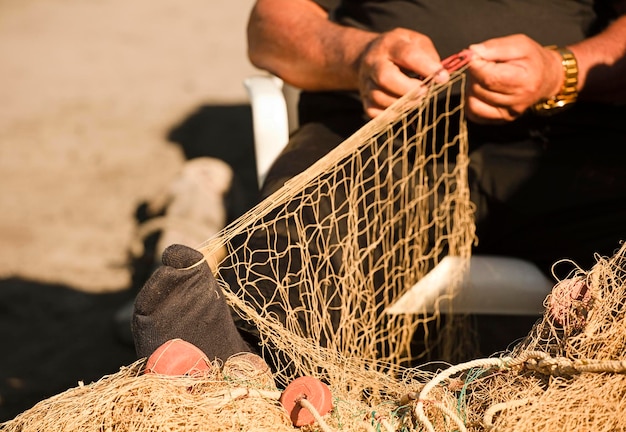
<point x="183" y="300"/>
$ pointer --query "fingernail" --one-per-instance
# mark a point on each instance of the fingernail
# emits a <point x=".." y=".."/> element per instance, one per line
<point x="477" y="49"/>
<point x="442" y="77"/>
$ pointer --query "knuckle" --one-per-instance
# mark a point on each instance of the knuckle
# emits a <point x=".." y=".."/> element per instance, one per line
<point x="490" y="81"/>
<point x="383" y="75"/>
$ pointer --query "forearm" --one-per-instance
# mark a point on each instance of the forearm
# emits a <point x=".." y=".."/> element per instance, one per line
<point x="295" y="40"/>
<point x="602" y="64"/>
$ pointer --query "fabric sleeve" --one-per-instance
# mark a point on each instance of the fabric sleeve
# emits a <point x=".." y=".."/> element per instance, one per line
<point x="328" y="5"/>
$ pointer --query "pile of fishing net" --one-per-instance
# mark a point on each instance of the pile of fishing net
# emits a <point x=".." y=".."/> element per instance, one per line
<point x="566" y="375"/>
<point x="313" y="270"/>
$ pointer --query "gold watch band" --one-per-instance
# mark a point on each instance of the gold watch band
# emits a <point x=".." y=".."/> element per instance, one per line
<point x="569" y="91"/>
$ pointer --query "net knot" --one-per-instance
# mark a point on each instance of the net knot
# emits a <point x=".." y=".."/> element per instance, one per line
<point x="570" y="302"/>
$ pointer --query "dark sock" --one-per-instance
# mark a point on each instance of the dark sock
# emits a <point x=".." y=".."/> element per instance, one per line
<point x="184" y="301"/>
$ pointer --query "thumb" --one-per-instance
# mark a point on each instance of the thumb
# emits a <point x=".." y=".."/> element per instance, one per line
<point x="502" y="49"/>
<point x="480" y="52"/>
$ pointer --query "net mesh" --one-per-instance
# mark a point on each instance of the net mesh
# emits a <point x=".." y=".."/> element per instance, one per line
<point x="568" y="374"/>
<point x="312" y="269"/>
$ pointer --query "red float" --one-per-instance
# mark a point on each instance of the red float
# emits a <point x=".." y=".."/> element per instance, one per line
<point x="314" y="391"/>
<point x="177" y="357"/>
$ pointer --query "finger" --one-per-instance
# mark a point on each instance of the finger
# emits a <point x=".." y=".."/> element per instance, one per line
<point x="515" y="103"/>
<point x="505" y="78"/>
<point x="490" y="96"/>
<point x="502" y="49"/>
<point x="372" y="112"/>
<point x="418" y="55"/>
<point x="376" y="102"/>
<point x="378" y="99"/>
<point x="377" y="96"/>
<point x="480" y="112"/>
<point x="393" y="81"/>
<point x="382" y="99"/>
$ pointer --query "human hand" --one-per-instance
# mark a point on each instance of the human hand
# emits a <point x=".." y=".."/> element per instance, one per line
<point x="508" y="75"/>
<point x="391" y="64"/>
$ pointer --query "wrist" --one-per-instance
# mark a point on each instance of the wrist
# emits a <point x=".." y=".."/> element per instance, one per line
<point x="567" y="93"/>
<point x="360" y="47"/>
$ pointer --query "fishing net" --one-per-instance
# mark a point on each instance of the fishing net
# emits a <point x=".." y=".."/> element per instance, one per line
<point x="311" y="272"/>
<point x="313" y="268"/>
<point x="568" y="374"/>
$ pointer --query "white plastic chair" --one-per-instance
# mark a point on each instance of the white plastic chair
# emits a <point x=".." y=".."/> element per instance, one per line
<point x="490" y="285"/>
<point x="274" y="117"/>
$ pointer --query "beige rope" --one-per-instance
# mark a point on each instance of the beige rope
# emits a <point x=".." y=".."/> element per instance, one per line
<point x="318" y="418"/>
<point x="222" y="398"/>
<point x="560" y="366"/>
<point x="453" y="370"/>
<point x="203" y="260"/>
<point x="532" y="360"/>
<point x="496" y="408"/>
<point x="368" y="427"/>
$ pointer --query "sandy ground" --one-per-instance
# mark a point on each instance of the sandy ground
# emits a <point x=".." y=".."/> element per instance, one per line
<point x="90" y="91"/>
<point x="102" y="101"/>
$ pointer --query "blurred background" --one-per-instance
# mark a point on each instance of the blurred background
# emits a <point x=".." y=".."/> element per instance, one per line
<point x="101" y="103"/>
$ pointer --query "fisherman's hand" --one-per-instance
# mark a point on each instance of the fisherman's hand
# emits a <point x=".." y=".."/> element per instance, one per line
<point x="391" y="65"/>
<point x="508" y="75"/>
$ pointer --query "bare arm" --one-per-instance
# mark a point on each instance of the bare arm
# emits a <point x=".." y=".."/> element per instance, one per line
<point x="295" y="40"/>
<point x="602" y="64"/>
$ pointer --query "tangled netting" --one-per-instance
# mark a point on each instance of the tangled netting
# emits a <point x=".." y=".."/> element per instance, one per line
<point x="315" y="266"/>
<point x="311" y="271"/>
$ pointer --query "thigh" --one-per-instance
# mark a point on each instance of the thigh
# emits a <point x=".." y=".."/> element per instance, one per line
<point x="307" y="145"/>
<point x="564" y="198"/>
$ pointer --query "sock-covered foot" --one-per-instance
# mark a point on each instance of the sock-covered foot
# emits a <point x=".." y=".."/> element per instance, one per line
<point x="183" y="300"/>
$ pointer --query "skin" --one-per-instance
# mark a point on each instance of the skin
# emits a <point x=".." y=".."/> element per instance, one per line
<point x="507" y="75"/>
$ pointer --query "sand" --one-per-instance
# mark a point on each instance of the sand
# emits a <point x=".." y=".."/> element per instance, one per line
<point x="102" y="101"/>
<point x="90" y="92"/>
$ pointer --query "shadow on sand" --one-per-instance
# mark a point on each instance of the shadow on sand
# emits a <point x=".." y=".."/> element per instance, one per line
<point x="52" y="337"/>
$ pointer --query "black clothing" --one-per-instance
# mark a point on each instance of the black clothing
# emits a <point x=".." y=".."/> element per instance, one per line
<point x="453" y="25"/>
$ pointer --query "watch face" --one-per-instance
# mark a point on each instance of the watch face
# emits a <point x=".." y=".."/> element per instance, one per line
<point x="552" y="106"/>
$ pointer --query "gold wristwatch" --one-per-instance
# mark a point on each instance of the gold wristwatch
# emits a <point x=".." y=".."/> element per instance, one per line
<point x="569" y="91"/>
